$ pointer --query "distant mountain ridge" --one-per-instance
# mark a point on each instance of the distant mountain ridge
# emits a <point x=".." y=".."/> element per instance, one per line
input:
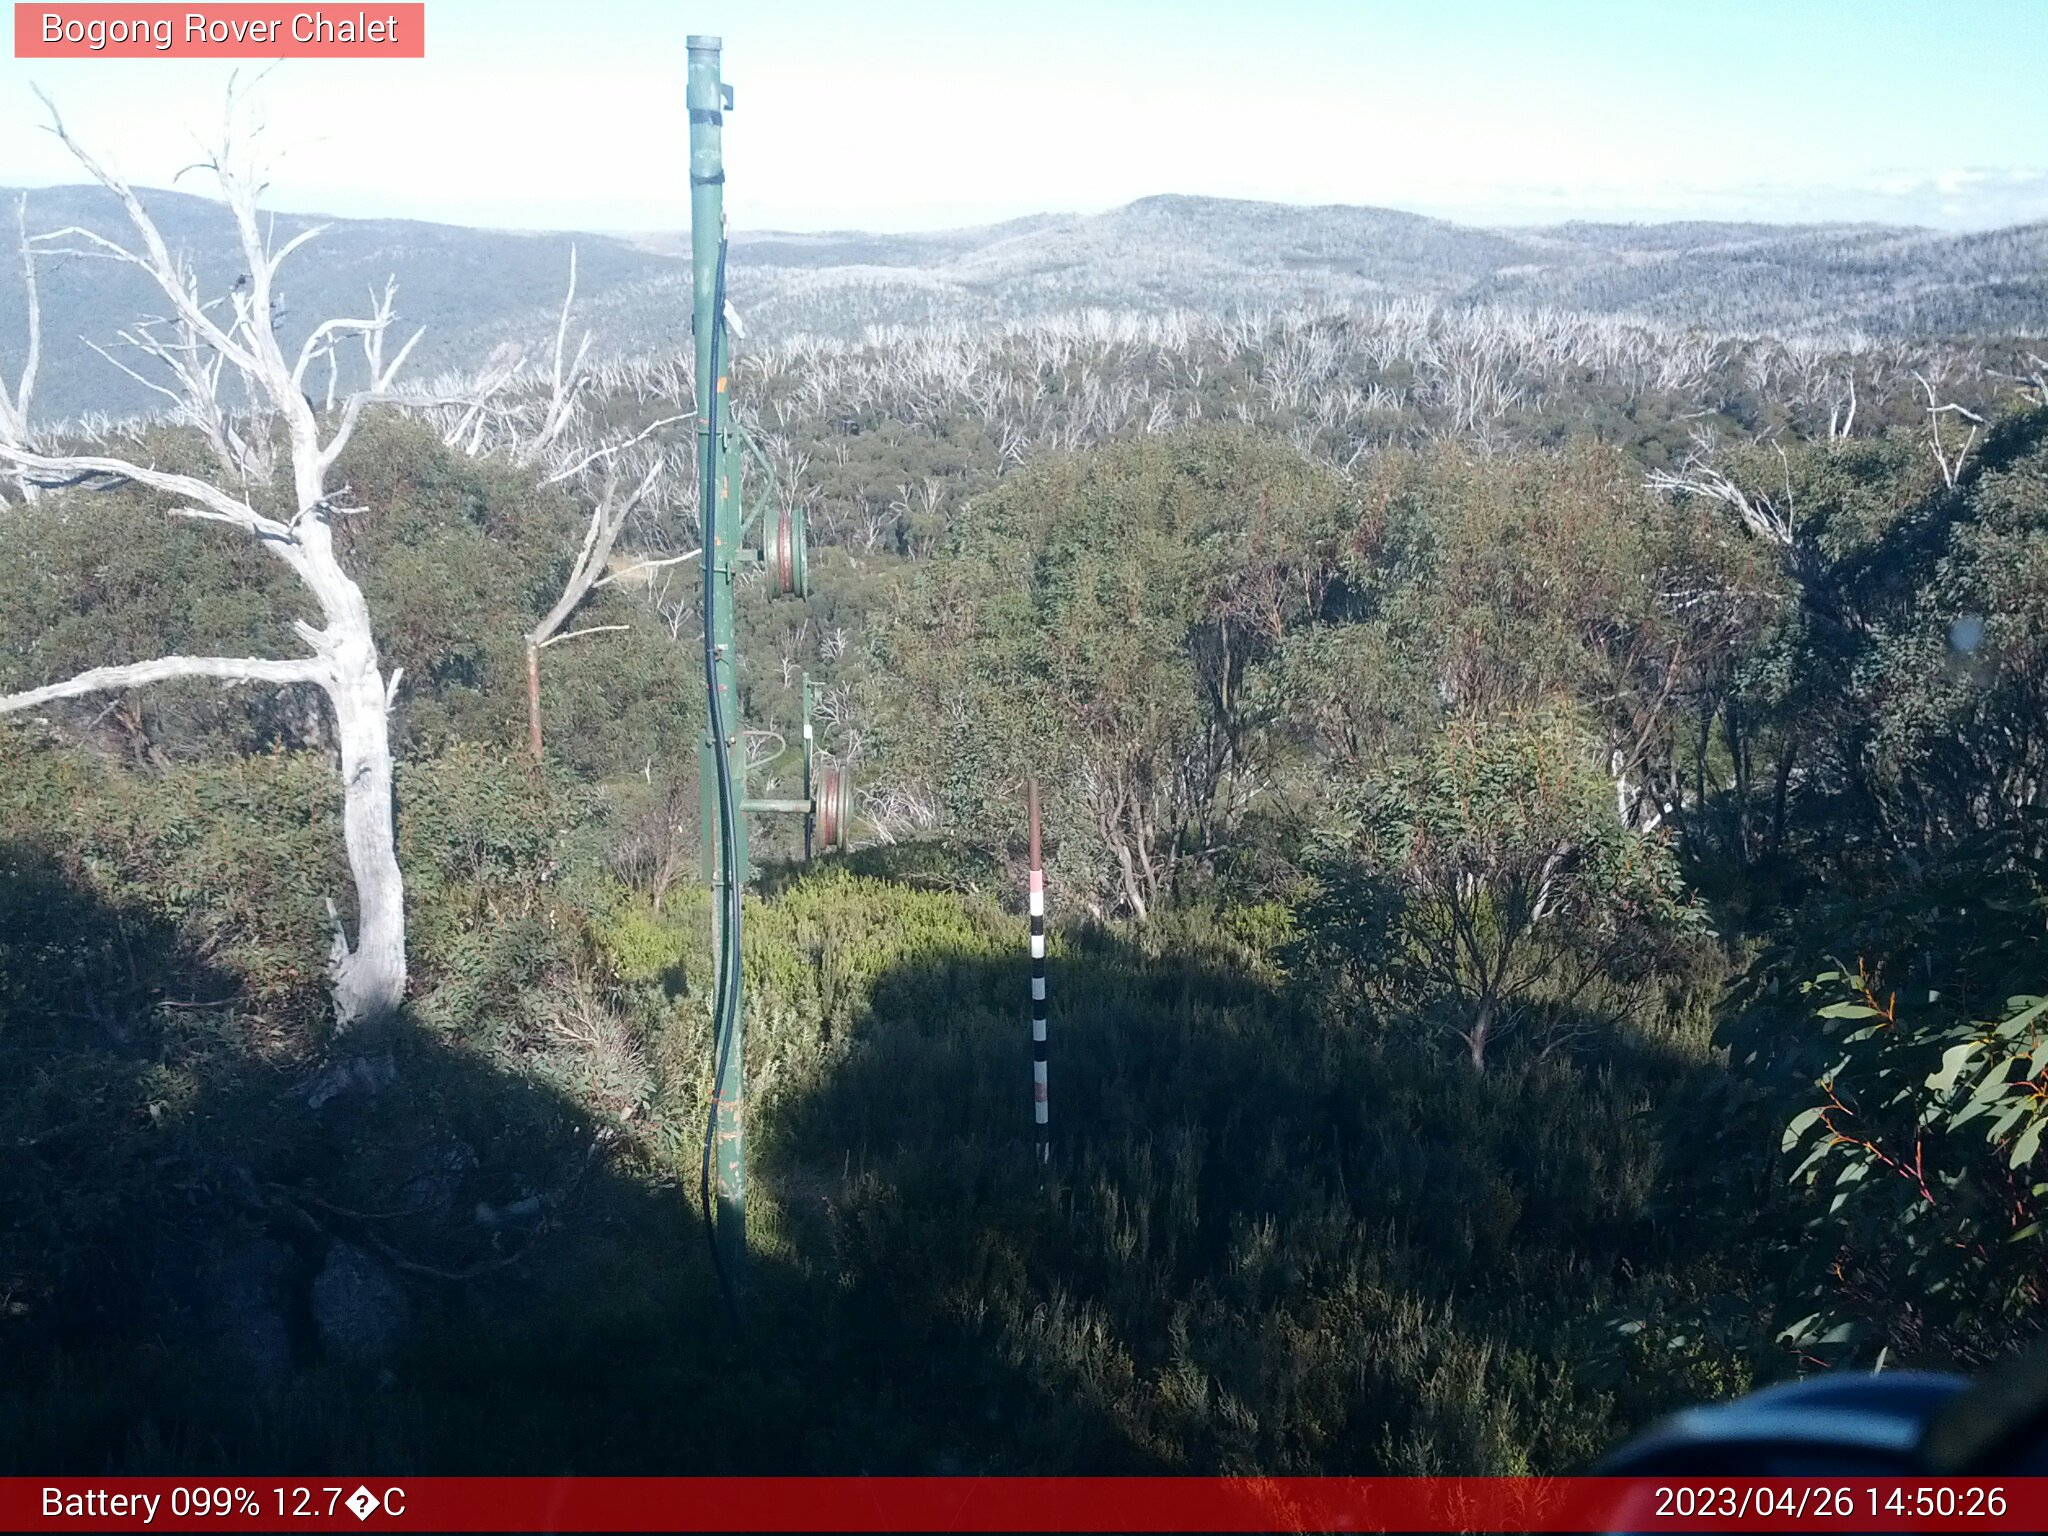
<point x="474" y="288"/>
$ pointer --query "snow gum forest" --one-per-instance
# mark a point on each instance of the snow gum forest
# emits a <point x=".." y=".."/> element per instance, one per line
<point x="1544" y="741"/>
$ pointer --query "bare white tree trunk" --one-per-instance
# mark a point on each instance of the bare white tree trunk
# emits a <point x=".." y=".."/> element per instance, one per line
<point x="368" y="979"/>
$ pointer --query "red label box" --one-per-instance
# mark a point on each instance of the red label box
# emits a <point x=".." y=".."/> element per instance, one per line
<point x="259" y="31"/>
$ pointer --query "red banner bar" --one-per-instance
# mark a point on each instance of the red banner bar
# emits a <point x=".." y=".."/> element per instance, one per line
<point x="378" y="30"/>
<point x="1023" y="1504"/>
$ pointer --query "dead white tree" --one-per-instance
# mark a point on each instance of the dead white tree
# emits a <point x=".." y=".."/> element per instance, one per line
<point x="614" y="503"/>
<point x="1766" y="518"/>
<point x="791" y="663"/>
<point x="542" y="422"/>
<point x="2030" y="376"/>
<point x="762" y="748"/>
<point x="1950" y="458"/>
<point x="14" y="408"/>
<point x="898" y="812"/>
<point x="507" y="407"/>
<point x="1842" y="413"/>
<point x="201" y="343"/>
<point x="2036" y="378"/>
<point x="565" y="385"/>
<point x="466" y="422"/>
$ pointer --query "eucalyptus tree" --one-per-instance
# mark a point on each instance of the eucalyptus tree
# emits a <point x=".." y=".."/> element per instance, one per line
<point x="1098" y="621"/>
<point x="1522" y="900"/>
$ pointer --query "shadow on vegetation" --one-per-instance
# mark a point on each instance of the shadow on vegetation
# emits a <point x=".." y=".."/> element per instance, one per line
<point x="219" y="1252"/>
<point x="224" y="1252"/>
<point x="1262" y="1244"/>
<point x="1266" y="1243"/>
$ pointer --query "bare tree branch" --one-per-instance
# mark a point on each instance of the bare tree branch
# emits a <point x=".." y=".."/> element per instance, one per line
<point x="595" y="629"/>
<point x="598" y="455"/>
<point x="627" y="572"/>
<point x="214" y="504"/>
<point x="233" y="669"/>
<point x="172" y="277"/>
<point x="607" y="519"/>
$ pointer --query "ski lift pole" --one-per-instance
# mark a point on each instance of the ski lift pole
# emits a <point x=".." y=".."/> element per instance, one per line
<point x="721" y="761"/>
<point x="1041" y="1108"/>
<point x="827" y="804"/>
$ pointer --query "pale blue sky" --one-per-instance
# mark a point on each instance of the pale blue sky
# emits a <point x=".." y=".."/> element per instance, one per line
<point x="894" y="114"/>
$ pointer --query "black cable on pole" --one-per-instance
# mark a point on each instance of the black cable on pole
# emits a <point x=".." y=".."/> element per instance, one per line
<point x="725" y="995"/>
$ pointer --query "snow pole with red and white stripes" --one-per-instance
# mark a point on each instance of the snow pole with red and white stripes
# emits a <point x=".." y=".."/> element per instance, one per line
<point x="1041" y="1108"/>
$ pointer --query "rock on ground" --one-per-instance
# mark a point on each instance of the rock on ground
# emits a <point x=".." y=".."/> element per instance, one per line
<point x="360" y="1311"/>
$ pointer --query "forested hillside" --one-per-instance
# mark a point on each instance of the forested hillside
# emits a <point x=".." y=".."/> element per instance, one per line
<point x="1546" y="903"/>
<point x="483" y="293"/>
